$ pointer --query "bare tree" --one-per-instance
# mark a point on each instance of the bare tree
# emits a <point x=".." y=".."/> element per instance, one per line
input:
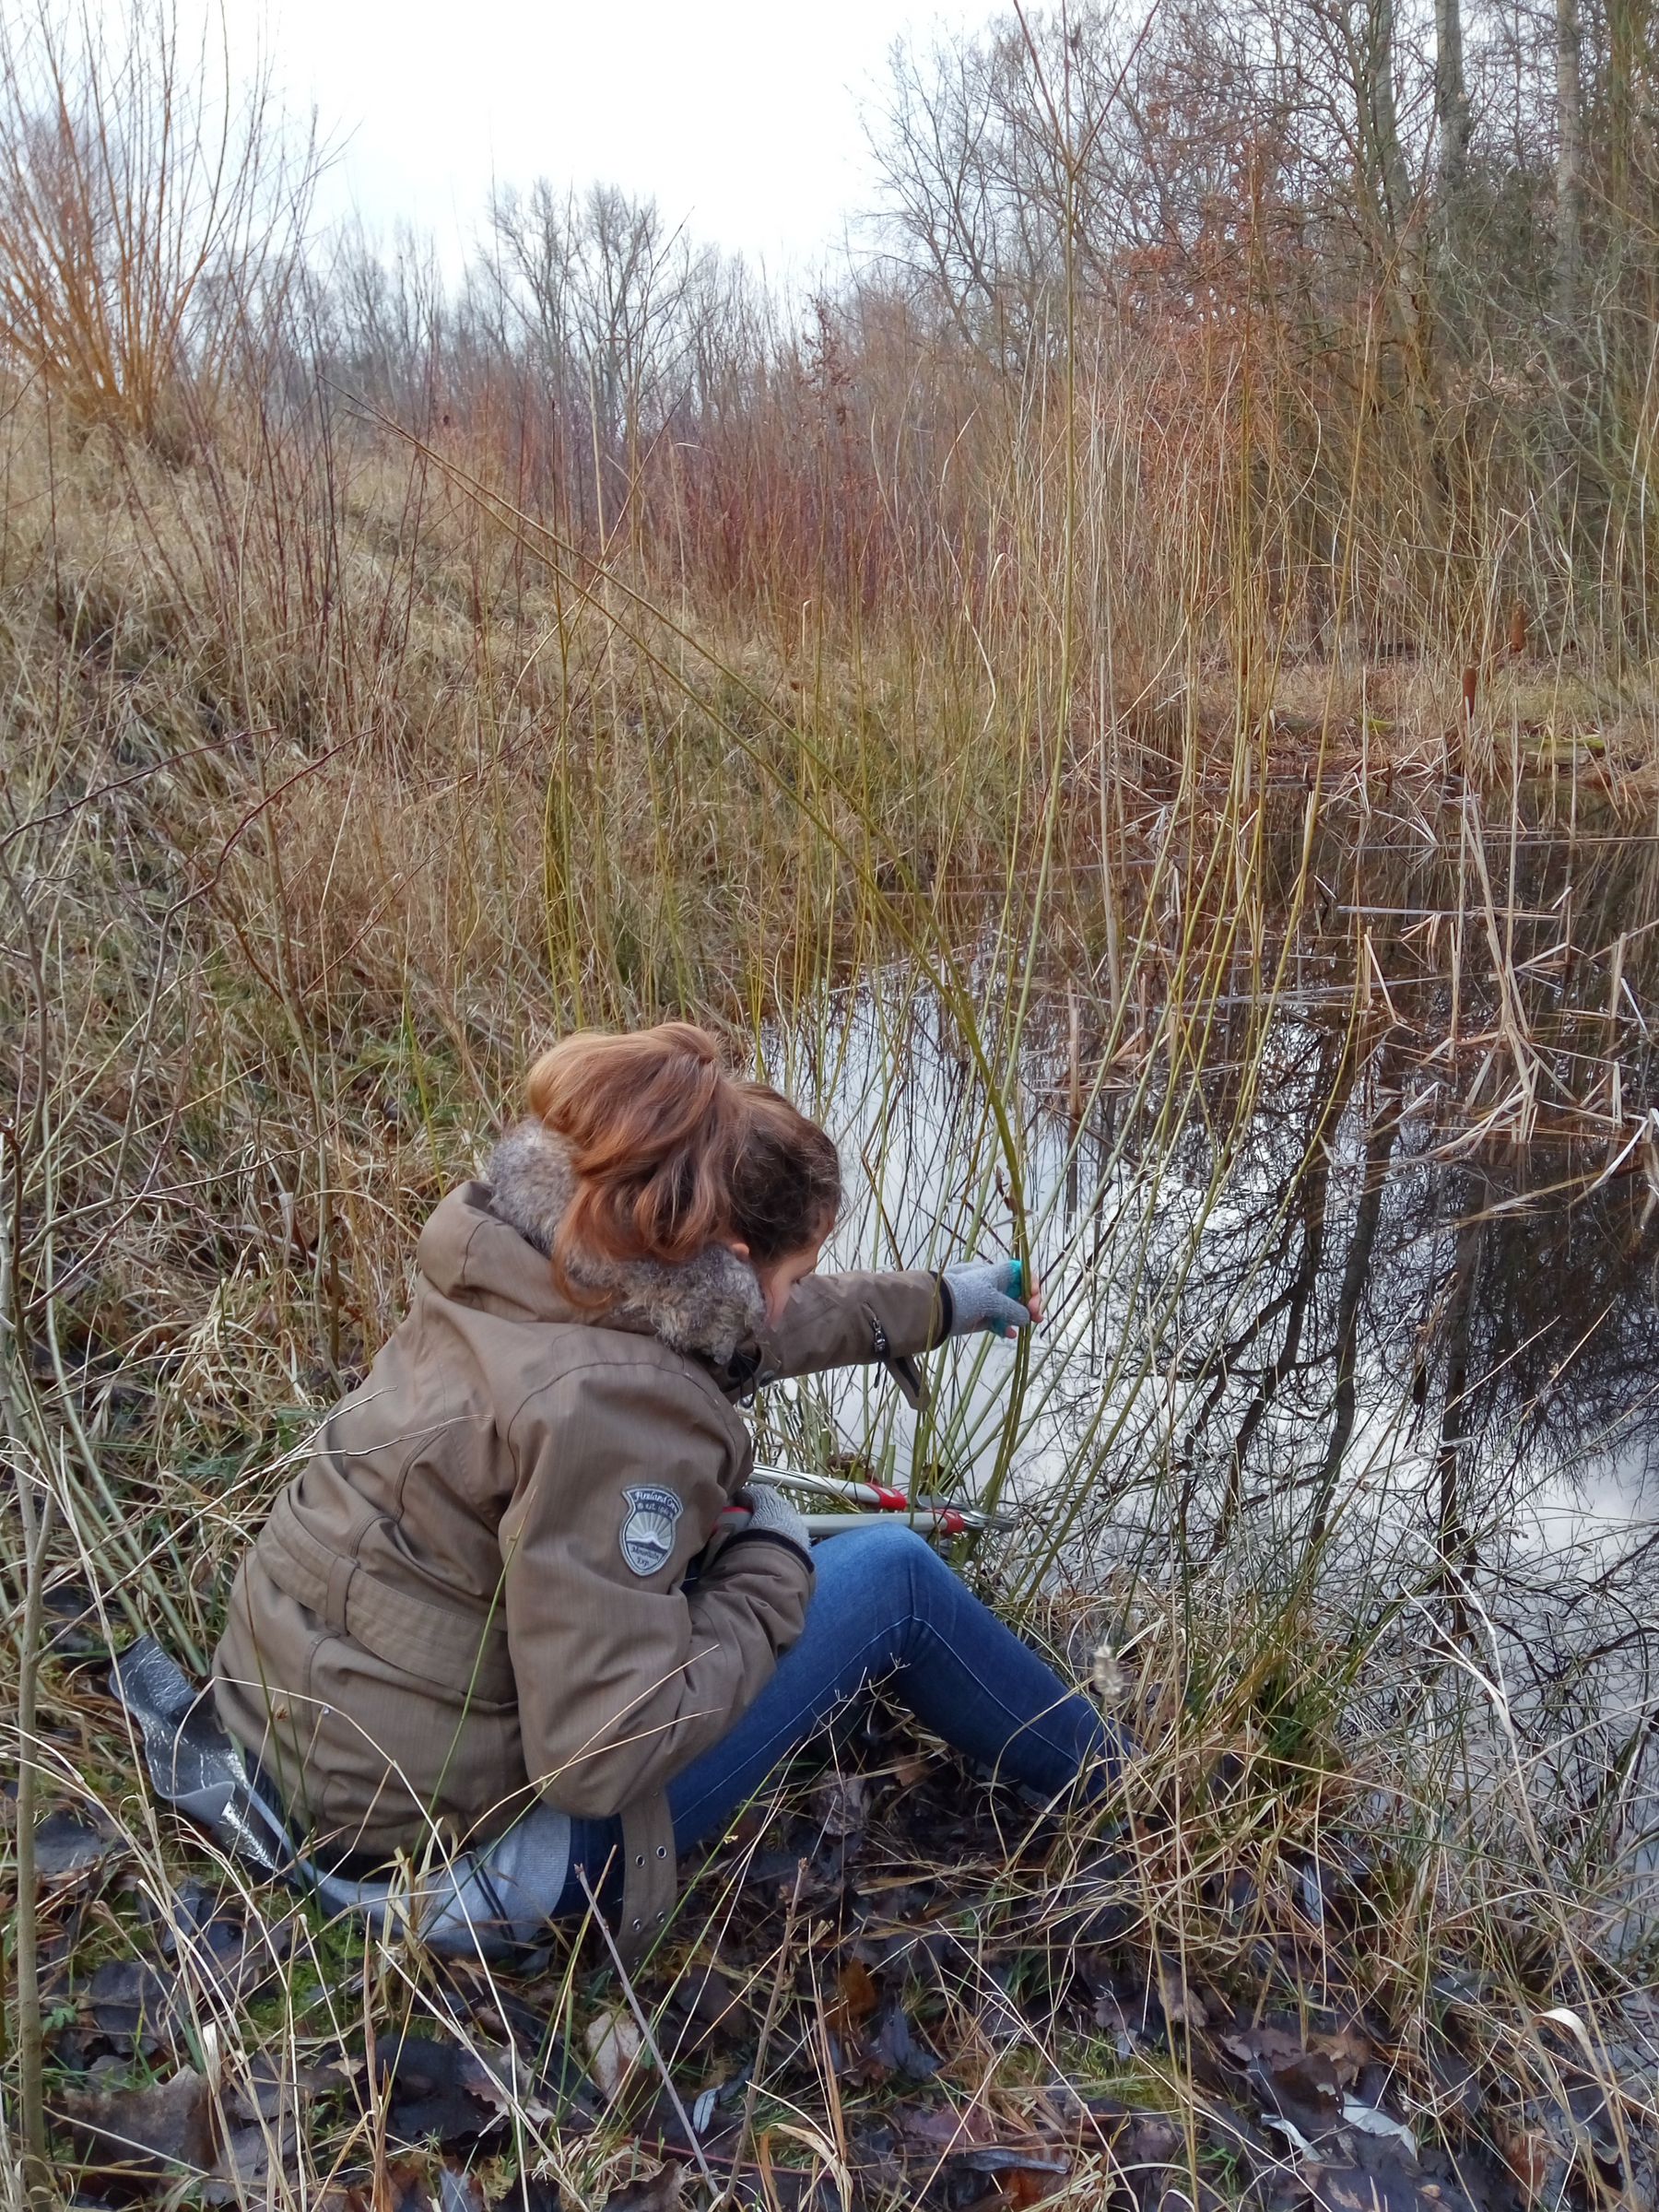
<point x="387" y="318"/>
<point x="1454" y="127"/>
<point x="608" y="300"/>
<point x="986" y="203"/>
<point x="1453" y="120"/>
<point x="1570" y="166"/>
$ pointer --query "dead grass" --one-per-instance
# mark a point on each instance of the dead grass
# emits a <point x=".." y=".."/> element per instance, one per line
<point x="332" y="784"/>
<point x="894" y="1983"/>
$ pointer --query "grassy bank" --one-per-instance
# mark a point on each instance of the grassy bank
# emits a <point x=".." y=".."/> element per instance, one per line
<point x="333" y="787"/>
<point x="1166" y="767"/>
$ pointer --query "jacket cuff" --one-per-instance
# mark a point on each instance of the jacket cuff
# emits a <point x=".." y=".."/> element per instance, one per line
<point x="947" y="1313"/>
<point x="768" y="1535"/>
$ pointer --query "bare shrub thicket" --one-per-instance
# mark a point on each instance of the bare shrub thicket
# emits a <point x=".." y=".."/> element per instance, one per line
<point x="1349" y="303"/>
<point x="152" y="212"/>
<point x="1413" y="252"/>
<point x="1346" y="305"/>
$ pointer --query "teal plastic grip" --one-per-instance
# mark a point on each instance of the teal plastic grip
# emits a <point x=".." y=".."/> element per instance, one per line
<point x="1015" y="1289"/>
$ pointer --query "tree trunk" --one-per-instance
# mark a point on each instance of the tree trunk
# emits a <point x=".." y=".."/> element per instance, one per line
<point x="1443" y="322"/>
<point x="1570" y="168"/>
<point x="1384" y="119"/>
<point x="1627" y="35"/>
<point x="1394" y="218"/>
<point x="1453" y="121"/>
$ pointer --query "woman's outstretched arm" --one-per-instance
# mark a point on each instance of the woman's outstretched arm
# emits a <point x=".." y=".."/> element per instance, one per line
<point x="845" y="1320"/>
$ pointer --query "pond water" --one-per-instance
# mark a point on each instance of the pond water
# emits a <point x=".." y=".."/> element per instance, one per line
<point x="1356" y="1296"/>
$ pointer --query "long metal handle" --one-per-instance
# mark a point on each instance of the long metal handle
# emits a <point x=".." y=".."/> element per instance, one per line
<point x="930" y="1519"/>
<point x="833" y="1486"/>
<point x="940" y="1513"/>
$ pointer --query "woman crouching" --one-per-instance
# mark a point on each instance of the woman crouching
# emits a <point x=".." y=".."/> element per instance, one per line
<point x="520" y="1618"/>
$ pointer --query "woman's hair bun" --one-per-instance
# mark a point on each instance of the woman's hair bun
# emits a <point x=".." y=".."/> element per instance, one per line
<point x="671" y="1153"/>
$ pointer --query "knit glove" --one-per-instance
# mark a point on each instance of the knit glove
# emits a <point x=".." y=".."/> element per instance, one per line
<point x="985" y="1294"/>
<point x="771" y="1514"/>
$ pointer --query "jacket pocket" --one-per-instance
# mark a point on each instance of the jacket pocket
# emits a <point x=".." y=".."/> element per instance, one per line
<point x="454" y="1650"/>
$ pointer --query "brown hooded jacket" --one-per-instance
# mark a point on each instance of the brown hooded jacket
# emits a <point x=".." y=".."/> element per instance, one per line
<point x="474" y="1589"/>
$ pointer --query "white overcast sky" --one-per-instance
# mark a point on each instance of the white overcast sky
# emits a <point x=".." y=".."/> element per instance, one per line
<point x="742" y="117"/>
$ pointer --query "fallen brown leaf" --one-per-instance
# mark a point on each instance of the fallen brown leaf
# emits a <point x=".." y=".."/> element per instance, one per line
<point x="68" y="1843"/>
<point x="401" y="2186"/>
<point x="1349" y="2050"/>
<point x="1530" y="2157"/>
<point x="710" y="1998"/>
<point x="859" y="1994"/>
<point x="658" y="2193"/>
<point x="436" y="2087"/>
<point x="841" y="1806"/>
<point x="1367" y="2189"/>
<point x="612" y="2042"/>
<point x="1022" y="2188"/>
<point x="1146" y="2139"/>
<point x="1308" y="2079"/>
<point x="1274" y="2046"/>
<point x="132" y="2138"/>
<point x="1179" y="2003"/>
<point x="131" y="2001"/>
<point x="944" y="2127"/>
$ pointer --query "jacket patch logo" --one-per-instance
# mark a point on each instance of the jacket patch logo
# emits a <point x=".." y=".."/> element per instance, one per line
<point x="647" y="1537"/>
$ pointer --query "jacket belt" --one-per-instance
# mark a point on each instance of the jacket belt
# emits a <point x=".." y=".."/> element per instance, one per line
<point x="649" y="1875"/>
<point x="463" y="1653"/>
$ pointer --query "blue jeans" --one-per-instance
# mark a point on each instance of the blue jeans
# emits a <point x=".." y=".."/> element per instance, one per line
<point x="887" y="1608"/>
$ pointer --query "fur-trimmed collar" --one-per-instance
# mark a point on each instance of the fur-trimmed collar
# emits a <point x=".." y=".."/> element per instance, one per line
<point x="709" y="1305"/>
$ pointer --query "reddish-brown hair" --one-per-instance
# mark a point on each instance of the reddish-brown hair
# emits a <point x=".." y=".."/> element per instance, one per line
<point x="671" y="1153"/>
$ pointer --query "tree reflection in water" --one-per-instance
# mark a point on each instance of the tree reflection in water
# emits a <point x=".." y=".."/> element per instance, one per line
<point x="1352" y="1307"/>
